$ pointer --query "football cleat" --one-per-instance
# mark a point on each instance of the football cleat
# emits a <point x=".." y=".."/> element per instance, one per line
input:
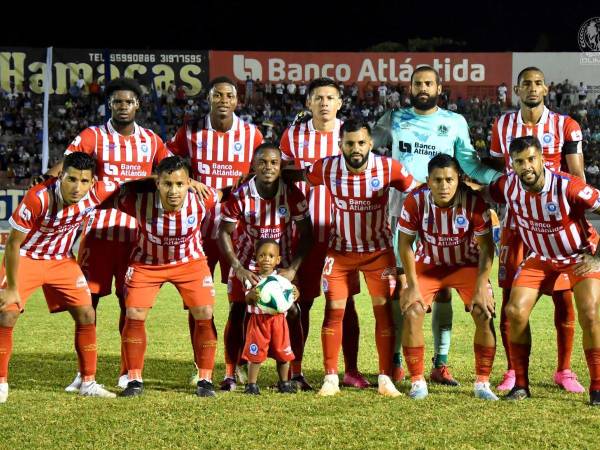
<point x="567" y="380"/>
<point x="508" y="381"/>
<point x="252" y="389"/>
<point x="355" y="379"/>
<point x="418" y="390"/>
<point x="75" y="385"/>
<point x="301" y="383"/>
<point x="517" y="393"/>
<point x="93" y="389"/>
<point x="442" y="375"/>
<point x="134" y="388"/>
<point x="386" y="387"/>
<point x="228" y="385"/>
<point x="331" y="386"/>
<point x="286" y="387"/>
<point x="483" y="391"/>
<point x="205" y="388"/>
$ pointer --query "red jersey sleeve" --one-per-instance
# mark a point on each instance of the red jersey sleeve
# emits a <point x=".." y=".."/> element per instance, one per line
<point x="162" y="151"/>
<point x="297" y="203"/>
<point x="25" y="217"/>
<point x="178" y="145"/>
<point x="572" y="130"/>
<point x="231" y="210"/>
<point x="314" y="174"/>
<point x="84" y="142"/>
<point x="258" y="138"/>
<point x="409" y="216"/>
<point x="495" y="147"/>
<point x="481" y="219"/>
<point x="285" y="146"/>
<point x="582" y="196"/>
<point x="400" y="178"/>
<point x="495" y="190"/>
<point x="126" y="203"/>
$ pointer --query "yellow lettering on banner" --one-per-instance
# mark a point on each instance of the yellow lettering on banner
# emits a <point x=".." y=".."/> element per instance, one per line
<point x="82" y="68"/>
<point x="114" y="73"/>
<point x="12" y="67"/>
<point x="133" y="69"/>
<point x="164" y="76"/>
<point x="187" y="76"/>
<point x="37" y="77"/>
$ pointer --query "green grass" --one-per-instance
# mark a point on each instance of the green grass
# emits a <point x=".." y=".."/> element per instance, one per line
<point x="39" y="414"/>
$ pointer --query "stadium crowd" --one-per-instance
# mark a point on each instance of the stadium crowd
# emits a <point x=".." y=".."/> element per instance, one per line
<point x="272" y="107"/>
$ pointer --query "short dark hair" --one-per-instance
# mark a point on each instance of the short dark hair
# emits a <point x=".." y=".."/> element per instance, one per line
<point x="352" y="125"/>
<point x="519" y="144"/>
<point x="441" y="161"/>
<point x="221" y="80"/>
<point x="528" y="69"/>
<point x="265" y="146"/>
<point x="171" y="164"/>
<point x="323" y="82"/>
<point x="265" y="241"/>
<point x="123" y="84"/>
<point x="79" y="161"/>
<point x="420" y="69"/>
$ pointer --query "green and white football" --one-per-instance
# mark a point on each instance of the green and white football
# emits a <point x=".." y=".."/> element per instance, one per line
<point x="275" y="294"/>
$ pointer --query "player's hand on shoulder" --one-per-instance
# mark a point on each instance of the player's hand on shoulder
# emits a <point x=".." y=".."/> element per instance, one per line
<point x="200" y="188"/>
<point x="37" y="180"/>
<point x="588" y="264"/>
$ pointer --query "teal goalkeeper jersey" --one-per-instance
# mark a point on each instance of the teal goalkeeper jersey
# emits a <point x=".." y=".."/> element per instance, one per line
<point x="415" y="139"/>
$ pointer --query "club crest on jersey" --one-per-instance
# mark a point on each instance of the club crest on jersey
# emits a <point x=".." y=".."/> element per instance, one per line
<point x="191" y="220"/>
<point x="325" y="285"/>
<point x="461" y="221"/>
<point x="237" y="146"/>
<point x="338" y="182"/>
<point x="375" y="183"/>
<point x="144" y="148"/>
<point x="547" y="138"/>
<point x="283" y="211"/>
<point x="442" y="130"/>
<point x="253" y="349"/>
<point x="86" y="211"/>
<point x="551" y="207"/>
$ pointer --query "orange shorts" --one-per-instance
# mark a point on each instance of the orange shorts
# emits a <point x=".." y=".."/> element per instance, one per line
<point x="62" y="281"/>
<point x="192" y="280"/>
<point x="214" y="256"/>
<point x="101" y="260"/>
<point x="341" y="269"/>
<point x="542" y="275"/>
<point x="512" y="254"/>
<point x="432" y="279"/>
<point x="309" y="274"/>
<point x="267" y="336"/>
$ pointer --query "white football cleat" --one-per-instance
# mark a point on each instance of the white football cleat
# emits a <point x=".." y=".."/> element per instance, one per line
<point x="482" y="390"/>
<point x="418" y="390"/>
<point x="386" y="387"/>
<point x="3" y="392"/>
<point x="123" y="381"/>
<point x="331" y="386"/>
<point x="93" y="389"/>
<point x="75" y="385"/>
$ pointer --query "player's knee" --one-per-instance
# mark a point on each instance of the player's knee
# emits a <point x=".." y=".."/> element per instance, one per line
<point x="414" y="314"/>
<point x="515" y="312"/>
<point x="84" y="315"/>
<point x="202" y="312"/>
<point x="136" y="313"/>
<point x="588" y="316"/>
<point x="8" y="319"/>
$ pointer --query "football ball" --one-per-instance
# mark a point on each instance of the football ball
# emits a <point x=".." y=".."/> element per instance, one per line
<point x="275" y="294"/>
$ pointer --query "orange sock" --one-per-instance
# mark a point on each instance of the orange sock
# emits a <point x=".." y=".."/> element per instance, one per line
<point x="331" y="339"/>
<point x="415" y="361"/>
<point x="592" y="356"/>
<point x="295" y="367"/>
<point x="484" y="360"/>
<point x="384" y="337"/>
<point x="6" y="345"/>
<point x="519" y="357"/>
<point x="564" y="321"/>
<point x="205" y="348"/>
<point x="87" y="351"/>
<point x="135" y="341"/>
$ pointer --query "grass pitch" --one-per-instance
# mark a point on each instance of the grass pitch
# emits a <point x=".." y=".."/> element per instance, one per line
<point x="39" y="414"/>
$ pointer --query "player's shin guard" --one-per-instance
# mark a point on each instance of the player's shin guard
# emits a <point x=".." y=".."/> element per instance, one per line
<point x="592" y="356"/>
<point x="6" y="345"/>
<point x="135" y="341"/>
<point x="87" y="351"/>
<point x="441" y="327"/>
<point x="331" y="339"/>
<point x="350" y="336"/>
<point x="205" y="348"/>
<point x="564" y="321"/>
<point x="415" y="361"/>
<point x="384" y="337"/>
<point x="505" y="326"/>
<point x="484" y="360"/>
<point x="519" y="357"/>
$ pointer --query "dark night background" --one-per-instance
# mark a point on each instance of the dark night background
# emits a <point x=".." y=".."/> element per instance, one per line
<point x="302" y="26"/>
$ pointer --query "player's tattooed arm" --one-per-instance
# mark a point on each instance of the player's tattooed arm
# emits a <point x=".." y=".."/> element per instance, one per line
<point x="247" y="278"/>
<point x="412" y="293"/>
<point x="482" y="302"/>
<point x="10" y="295"/>
<point x="304" y="228"/>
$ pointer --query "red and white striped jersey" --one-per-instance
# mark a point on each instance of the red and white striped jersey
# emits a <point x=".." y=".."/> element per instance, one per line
<point x="218" y="159"/>
<point x="553" y="130"/>
<point x="167" y="237"/>
<point x="446" y="235"/>
<point x="304" y="145"/>
<point x="119" y="159"/>
<point x="50" y="225"/>
<point x="360" y="215"/>
<point x="260" y="218"/>
<point x="551" y="222"/>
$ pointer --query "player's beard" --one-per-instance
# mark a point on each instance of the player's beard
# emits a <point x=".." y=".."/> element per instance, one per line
<point x="352" y="163"/>
<point x="122" y="123"/>
<point x="423" y="105"/>
<point x="532" y="104"/>
<point x="531" y="183"/>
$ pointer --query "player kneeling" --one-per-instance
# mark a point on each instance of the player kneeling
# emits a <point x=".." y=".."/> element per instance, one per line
<point x="455" y="250"/>
<point x="169" y="249"/>
<point x="267" y="331"/>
